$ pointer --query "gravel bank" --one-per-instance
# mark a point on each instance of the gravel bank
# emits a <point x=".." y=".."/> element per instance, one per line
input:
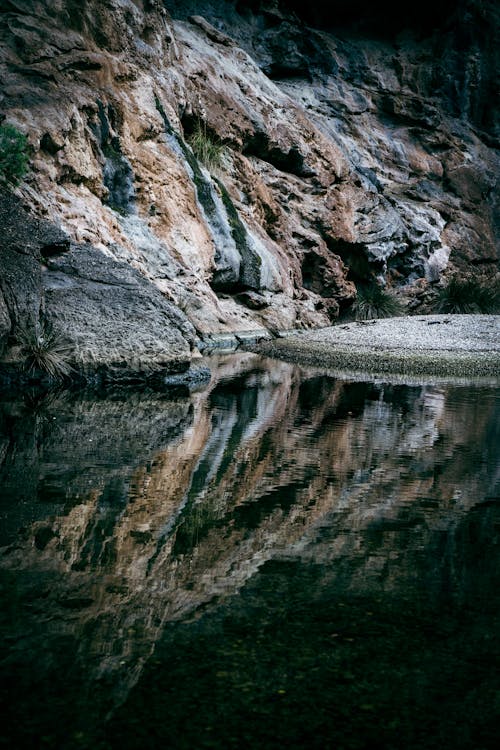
<point x="454" y="345"/>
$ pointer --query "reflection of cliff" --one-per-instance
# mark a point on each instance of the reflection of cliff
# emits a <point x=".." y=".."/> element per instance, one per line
<point x="417" y="503"/>
<point x="55" y="450"/>
<point x="380" y="484"/>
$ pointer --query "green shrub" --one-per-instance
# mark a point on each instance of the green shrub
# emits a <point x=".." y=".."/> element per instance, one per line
<point x="45" y="349"/>
<point x="13" y="154"/>
<point x="468" y="296"/>
<point x="208" y="149"/>
<point x="375" y="302"/>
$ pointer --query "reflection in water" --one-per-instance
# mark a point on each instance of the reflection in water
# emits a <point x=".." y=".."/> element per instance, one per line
<point x="139" y="532"/>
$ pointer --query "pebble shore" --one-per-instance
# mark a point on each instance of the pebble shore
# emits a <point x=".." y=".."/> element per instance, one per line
<point x="449" y="345"/>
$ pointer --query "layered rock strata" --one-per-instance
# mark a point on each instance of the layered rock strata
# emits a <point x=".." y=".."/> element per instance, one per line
<point x="342" y="154"/>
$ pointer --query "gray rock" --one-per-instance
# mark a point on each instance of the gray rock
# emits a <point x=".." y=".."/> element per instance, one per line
<point x="4" y="322"/>
<point x="110" y="315"/>
<point x="253" y="300"/>
<point x="21" y="259"/>
<point x="335" y="137"/>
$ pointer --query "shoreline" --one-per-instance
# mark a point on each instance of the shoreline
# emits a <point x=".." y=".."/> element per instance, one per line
<point x="446" y="347"/>
<point x="439" y="345"/>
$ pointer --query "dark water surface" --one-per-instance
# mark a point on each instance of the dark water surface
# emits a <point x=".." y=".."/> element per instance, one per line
<point x="284" y="559"/>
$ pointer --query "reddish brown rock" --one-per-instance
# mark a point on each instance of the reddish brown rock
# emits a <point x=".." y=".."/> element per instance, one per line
<point x="338" y="149"/>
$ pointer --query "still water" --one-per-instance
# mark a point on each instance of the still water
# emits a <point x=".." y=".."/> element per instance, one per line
<point x="282" y="559"/>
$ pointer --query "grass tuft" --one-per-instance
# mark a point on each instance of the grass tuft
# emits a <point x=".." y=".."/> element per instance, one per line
<point x="468" y="296"/>
<point x="375" y="302"/>
<point x="208" y="149"/>
<point x="45" y="350"/>
<point x="14" y="155"/>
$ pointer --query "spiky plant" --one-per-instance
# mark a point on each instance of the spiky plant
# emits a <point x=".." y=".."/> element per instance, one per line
<point x="375" y="302"/>
<point x="208" y="149"/>
<point x="466" y="296"/>
<point x="45" y="350"/>
<point x="14" y="154"/>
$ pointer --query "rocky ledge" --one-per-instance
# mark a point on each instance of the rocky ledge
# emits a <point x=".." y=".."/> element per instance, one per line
<point x="448" y="345"/>
<point x="68" y="309"/>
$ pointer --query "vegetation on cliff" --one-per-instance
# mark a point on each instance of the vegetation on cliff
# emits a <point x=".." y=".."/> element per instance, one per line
<point x="44" y="349"/>
<point x="14" y="155"/>
<point x="462" y="296"/>
<point x="375" y="302"/>
<point x="207" y="148"/>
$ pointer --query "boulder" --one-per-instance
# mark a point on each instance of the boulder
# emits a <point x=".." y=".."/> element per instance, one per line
<point x="111" y="317"/>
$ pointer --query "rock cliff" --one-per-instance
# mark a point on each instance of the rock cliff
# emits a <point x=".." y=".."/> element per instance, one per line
<point x="347" y="145"/>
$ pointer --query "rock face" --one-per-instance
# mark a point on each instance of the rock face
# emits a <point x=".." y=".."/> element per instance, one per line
<point x="107" y="313"/>
<point x="349" y="151"/>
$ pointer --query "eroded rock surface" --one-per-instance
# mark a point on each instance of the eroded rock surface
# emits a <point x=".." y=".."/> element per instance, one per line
<point x="107" y="313"/>
<point x="351" y="150"/>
